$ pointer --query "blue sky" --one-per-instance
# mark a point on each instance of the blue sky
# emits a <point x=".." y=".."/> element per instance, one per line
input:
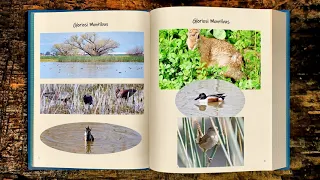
<point x="127" y="40"/>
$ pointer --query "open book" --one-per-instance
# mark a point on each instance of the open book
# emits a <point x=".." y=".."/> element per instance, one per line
<point x="177" y="89"/>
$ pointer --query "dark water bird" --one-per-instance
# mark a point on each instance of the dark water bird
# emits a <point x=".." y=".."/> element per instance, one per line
<point x="87" y="99"/>
<point x="87" y="134"/>
<point x="204" y="99"/>
<point x="125" y="93"/>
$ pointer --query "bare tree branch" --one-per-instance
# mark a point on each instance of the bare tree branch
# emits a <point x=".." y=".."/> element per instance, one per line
<point x="64" y="50"/>
<point x="92" y="45"/>
<point x="137" y="51"/>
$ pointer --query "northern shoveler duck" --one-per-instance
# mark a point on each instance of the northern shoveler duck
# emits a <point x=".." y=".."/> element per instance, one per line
<point x="87" y="99"/>
<point x="205" y="99"/>
<point x="125" y="93"/>
<point x="87" y="135"/>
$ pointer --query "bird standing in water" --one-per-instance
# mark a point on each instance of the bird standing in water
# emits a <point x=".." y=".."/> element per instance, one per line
<point x="87" y="134"/>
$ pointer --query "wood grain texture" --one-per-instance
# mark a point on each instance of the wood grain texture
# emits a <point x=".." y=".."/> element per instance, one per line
<point x="305" y="91"/>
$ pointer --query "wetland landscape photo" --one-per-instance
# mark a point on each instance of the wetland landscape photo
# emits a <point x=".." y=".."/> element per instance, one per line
<point x="92" y="55"/>
<point x="105" y="138"/>
<point x="107" y="99"/>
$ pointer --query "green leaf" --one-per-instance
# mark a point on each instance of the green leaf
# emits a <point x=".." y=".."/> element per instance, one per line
<point x="208" y="34"/>
<point x="219" y="34"/>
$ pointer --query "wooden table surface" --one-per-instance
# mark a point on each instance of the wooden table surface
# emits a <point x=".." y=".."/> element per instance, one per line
<point x="305" y="92"/>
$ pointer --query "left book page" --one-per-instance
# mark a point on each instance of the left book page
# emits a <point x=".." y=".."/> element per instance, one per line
<point x="88" y="89"/>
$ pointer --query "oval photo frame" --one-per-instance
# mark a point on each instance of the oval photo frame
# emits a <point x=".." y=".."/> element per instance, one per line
<point x="210" y="98"/>
<point x="106" y="138"/>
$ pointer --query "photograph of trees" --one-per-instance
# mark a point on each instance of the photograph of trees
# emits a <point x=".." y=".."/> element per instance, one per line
<point x="92" y="55"/>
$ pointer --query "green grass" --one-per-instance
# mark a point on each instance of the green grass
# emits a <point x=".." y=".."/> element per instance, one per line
<point x="104" y="99"/>
<point x="178" y="66"/>
<point x="110" y="58"/>
<point x="231" y="142"/>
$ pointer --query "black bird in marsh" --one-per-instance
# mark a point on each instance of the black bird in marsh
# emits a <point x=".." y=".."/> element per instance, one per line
<point x="87" y="99"/>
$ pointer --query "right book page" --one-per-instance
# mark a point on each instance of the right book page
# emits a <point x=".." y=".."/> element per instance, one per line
<point x="211" y="108"/>
<point x="281" y="85"/>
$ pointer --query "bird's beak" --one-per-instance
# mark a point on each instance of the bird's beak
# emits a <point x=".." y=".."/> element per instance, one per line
<point x="197" y="98"/>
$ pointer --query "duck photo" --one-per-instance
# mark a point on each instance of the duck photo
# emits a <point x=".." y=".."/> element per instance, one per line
<point x="113" y="99"/>
<point x="210" y="98"/>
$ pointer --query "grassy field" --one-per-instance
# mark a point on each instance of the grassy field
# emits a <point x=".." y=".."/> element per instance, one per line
<point x="110" y="58"/>
<point x="104" y="99"/>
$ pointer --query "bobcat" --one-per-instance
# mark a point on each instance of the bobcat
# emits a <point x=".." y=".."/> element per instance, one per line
<point x="214" y="51"/>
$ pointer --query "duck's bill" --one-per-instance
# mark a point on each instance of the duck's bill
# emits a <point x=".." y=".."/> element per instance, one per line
<point x="197" y="98"/>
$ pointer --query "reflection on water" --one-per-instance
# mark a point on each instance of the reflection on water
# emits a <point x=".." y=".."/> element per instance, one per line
<point x="108" y="138"/>
<point x="88" y="145"/>
<point x="91" y="70"/>
<point x="232" y="104"/>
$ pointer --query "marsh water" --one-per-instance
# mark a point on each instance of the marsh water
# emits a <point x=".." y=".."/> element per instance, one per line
<point x="108" y="138"/>
<point x="91" y="70"/>
<point x="231" y="106"/>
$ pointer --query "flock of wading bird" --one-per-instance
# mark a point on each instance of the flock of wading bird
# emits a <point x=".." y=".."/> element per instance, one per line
<point x="87" y="99"/>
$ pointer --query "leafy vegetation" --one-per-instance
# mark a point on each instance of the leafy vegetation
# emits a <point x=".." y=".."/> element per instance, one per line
<point x="178" y="66"/>
<point x="110" y="58"/>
